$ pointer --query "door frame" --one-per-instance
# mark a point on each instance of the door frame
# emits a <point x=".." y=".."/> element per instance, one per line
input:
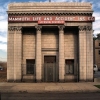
<point x="46" y="53"/>
<point x="47" y="66"/>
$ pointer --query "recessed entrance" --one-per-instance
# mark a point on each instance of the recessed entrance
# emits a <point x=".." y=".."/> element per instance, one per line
<point x="50" y="68"/>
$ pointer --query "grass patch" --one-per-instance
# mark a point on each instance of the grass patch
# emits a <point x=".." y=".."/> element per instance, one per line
<point x="98" y="86"/>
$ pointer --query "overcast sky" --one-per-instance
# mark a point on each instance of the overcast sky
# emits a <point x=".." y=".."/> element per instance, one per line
<point x="3" y="20"/>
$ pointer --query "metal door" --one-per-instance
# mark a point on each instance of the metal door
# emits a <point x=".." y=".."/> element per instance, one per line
<point x="49" y="68"/>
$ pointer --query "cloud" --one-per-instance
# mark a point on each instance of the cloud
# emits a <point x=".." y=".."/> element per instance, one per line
<point x="3" y="17"/>
<point x="64" y="0"/>
<point x="97" y="4"/>
<point x="96" y="24"/>
<point x="3" y="43"/>
<point x="3" y="39"/>
<point x="3" y="55"/>
<point x="97" y="15"/>
<point x="3" y="47"/>
<point x="3" y="25"/>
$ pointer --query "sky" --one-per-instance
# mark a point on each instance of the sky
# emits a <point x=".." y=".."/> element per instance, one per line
<point x="4" y="23"/>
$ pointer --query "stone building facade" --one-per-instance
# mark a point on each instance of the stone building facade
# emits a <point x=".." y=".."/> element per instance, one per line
<point x="50" y="42"/>
<point x="97" y="52"/>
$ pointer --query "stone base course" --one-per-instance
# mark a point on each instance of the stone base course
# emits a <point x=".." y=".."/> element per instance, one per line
<point x="48" y="87"/>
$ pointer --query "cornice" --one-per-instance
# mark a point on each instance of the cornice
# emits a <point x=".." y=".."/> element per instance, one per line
<point x="49" y="13"/>
<point x="50" y="6"/>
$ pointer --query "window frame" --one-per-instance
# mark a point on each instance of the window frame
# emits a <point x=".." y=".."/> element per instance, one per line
<point x="30" y="64"/>
<point x="99" y="52"/>
<point x="99" y="44"/>
<point x="69" y="68"/>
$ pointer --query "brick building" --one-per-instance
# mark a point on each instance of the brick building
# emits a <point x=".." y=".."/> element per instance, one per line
<point x="50" y="42"/>
<point x="97" y="52"/>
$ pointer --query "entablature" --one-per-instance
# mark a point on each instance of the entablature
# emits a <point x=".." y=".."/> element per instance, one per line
<point x="49" y="13"/>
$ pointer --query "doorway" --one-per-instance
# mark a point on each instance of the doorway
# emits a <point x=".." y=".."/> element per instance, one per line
<point x="50" y="68"/>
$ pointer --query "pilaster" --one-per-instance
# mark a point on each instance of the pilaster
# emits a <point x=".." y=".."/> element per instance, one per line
<point x="82" y="53"/>
<point x="10" y="54"/>
<point x="17" y="53"/>
<point x="85" y="53"/>
<point x="89" y="52"/>
<point x="61" y="53"/>
<point x="38" y="54"/>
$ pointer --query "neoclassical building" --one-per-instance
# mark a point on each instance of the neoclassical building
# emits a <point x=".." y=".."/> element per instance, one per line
<point x="50" y="42"/>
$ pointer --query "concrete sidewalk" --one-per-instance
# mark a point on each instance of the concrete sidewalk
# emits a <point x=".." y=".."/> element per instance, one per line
<point x="48" y="87"/>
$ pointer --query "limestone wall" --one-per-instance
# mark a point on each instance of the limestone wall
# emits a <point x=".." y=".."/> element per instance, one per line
<point x="70" y="44"/>
<point x="50" y="39"/>
<point x="28" y="47"/>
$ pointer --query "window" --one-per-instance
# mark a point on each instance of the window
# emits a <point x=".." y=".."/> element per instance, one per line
<point x="69" y="66"/>
<point x="99" y="52"/>
<point x="30" y="66"/>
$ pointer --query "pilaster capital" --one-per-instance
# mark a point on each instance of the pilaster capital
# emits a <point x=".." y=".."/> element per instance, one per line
<point x="38" y="27"/>
<point x="18" y="28"/>
<point x="82" y="28"/>
<point x="61" y="27"/>
<point x="11" y="28"/>
<point x="88" y="28"/>
<point x="14" y="28"/>
<point x="85" y="28"/>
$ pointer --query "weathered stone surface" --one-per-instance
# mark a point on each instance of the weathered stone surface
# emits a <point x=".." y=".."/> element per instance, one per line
<point x="58" y="6"/>
<point x="56" y="40"/>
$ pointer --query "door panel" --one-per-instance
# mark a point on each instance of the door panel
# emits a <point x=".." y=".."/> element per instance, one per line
<point x="50" y="73"/>
<point x="50" y="66"/>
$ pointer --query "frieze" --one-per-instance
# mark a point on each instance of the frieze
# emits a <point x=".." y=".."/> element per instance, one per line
<point x="51" y="19"/>
<point x="47" y="13"/>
